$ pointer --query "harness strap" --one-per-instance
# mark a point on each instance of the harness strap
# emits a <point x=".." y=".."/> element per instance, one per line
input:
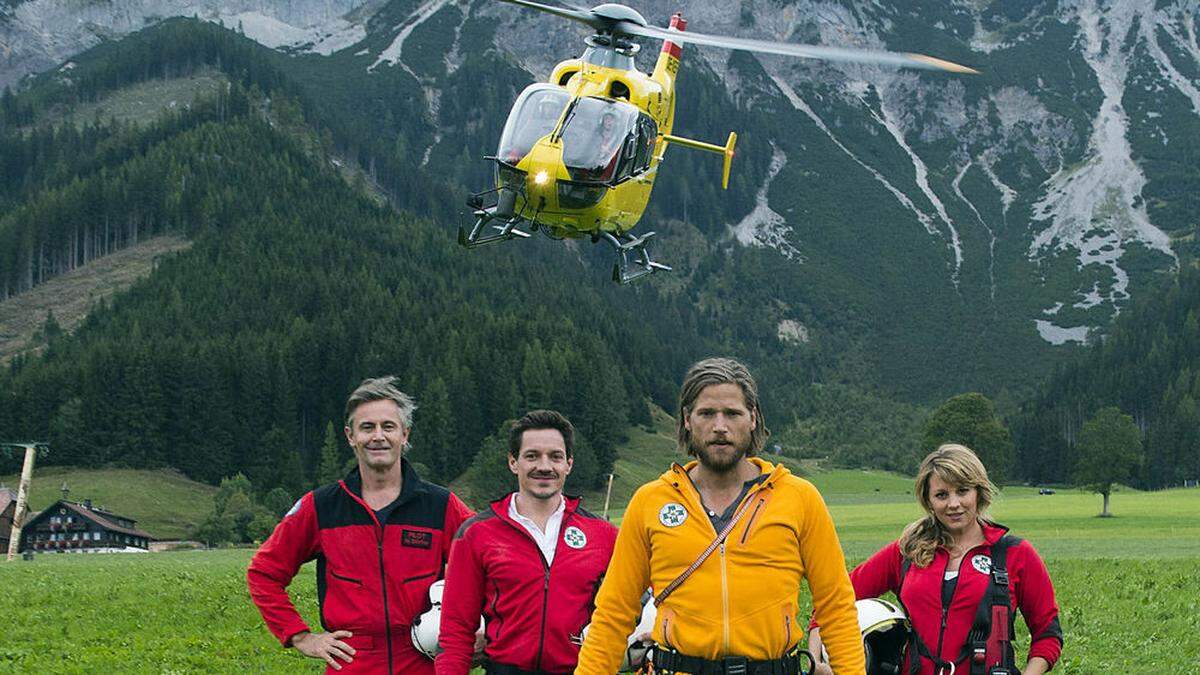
<point x="721" y="537"/>
<point x="671" y="661"/>
<point x="988" y="648"/>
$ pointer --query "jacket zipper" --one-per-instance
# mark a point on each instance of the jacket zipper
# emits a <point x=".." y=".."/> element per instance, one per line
<point x="545" y="601"/>
<point x="724" y="599"/>
<point x="787" y="632"/>
<point x="387" y="620"/>
<point x="945" y="606"/>
<point x="545" y="583"/>
<point x="750" y="523"/>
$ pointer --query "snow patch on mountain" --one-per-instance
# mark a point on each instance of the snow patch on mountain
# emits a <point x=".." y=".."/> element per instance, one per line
<point x="324" y="39"/>
<point x="391" y="54"/>
<point x="763" y="226"/>
<point x="1096" y="207"/>
<point x="1185" y="85"/>
<point x="1057" y="335"/>
<point x="1008" y="195"/>
<point x="793" y="332"/>
<point x="921" y="176"/>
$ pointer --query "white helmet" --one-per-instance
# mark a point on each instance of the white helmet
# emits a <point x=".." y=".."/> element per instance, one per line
<point x="425" y="627"/>
<point x="636" y="649"/>
<point x="885" y="634"/>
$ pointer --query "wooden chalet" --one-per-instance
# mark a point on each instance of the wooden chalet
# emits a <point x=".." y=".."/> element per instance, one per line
<point x="8" y="510"/>
<point x="68" y="526"/>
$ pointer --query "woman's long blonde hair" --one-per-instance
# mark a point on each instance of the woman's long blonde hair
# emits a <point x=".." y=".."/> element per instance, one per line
<point x="957" y="465"/>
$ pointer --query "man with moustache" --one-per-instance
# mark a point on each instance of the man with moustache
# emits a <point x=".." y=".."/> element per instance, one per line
<point x="380" y="536"/>
<point x="530" y="564"/>
<point x="724" y="542"/>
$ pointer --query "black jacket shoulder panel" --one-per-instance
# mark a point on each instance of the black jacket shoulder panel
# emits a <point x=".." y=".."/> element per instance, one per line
<point x="486" y="514"/>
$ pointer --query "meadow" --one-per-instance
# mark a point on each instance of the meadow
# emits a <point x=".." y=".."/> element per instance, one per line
<point x="1127" y="587"/>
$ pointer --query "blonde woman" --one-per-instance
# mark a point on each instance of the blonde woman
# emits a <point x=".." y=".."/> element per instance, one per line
<point x="959" y="576"/>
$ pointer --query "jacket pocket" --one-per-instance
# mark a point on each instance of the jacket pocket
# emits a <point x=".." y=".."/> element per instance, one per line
<point x="349" y="580"/>
<point x="415" y="589"/>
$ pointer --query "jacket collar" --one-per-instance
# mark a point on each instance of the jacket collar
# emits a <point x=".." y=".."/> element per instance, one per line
<point x="774" y="472"/>
<point x="500" y="506"/>
<point x="992" y="532"/>
<point x="411" y="483"/>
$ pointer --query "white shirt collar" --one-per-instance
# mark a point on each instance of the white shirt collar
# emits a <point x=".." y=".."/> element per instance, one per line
<point x="546" y="540"/>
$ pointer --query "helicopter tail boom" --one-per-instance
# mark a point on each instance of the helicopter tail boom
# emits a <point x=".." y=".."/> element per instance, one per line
<point x="727" y="150"/>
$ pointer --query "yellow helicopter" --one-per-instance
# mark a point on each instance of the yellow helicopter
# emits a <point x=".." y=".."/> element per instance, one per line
<point x="579" y="153"/>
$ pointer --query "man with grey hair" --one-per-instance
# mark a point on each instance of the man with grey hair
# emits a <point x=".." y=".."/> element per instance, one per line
<point x="724" y="542"/>
<point x="381" y="536"/>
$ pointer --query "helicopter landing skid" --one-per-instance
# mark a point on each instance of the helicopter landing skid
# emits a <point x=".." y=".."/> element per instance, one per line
<point x="641" y="264"/>
<point x="478" y="236"/>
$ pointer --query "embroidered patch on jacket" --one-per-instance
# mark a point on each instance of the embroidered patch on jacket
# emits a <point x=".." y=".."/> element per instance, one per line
<point x="416" y="539"/>
<point x="672" y="515"/>
<point x="982" y="564"/>
<point x="574" y="537"/>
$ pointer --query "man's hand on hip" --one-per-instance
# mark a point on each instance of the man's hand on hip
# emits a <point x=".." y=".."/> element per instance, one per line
<point x="326" y="646"/>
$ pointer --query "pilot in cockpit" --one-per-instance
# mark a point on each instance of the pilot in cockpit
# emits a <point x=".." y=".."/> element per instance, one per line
<point x="607" y="141"/>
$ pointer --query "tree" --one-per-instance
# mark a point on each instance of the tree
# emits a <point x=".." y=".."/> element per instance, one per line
<point x="330" y="468"/>
<point x="970" y="420"/>
<point x="488" y="477"/>
<point x="1109" y="450"/>
<point x="278" y="502"/>
<point x="230" y="486"/>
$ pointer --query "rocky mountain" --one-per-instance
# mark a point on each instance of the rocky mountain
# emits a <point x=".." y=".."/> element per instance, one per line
<point x="927" y="233"/>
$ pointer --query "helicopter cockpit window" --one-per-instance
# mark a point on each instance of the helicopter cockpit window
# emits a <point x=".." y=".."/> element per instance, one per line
<point x="647" y="137"/>
<point x="595" y="139"/>
<point x="534" y="115"/>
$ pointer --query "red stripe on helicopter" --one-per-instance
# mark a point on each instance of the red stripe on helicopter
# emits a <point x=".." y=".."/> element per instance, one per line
<point x="680" y="24"/>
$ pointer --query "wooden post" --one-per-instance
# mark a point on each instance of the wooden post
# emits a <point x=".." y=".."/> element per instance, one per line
<point x="14" y="543"/>
<point x="608" y="495"/>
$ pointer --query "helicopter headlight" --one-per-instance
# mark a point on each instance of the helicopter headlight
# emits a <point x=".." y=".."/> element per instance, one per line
<point x="579" y="195"/>
<point x="541" y="177"/>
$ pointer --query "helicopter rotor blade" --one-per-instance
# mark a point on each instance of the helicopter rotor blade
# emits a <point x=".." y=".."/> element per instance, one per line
<point x="575" y="14"/>
<point x="839" y="54"/>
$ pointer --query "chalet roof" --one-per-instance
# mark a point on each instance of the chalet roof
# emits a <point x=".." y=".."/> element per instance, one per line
<point x="7" y="496"/>
<point x="100" y="519"/>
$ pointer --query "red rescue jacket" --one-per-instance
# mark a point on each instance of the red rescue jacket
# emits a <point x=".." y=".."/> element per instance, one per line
<point x="532" y="609"/>
<point x="1029" y="587"/>
<point x="372" y="579"/>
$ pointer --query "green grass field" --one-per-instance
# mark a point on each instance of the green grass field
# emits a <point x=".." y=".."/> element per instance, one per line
<point x="1127" y="585"/>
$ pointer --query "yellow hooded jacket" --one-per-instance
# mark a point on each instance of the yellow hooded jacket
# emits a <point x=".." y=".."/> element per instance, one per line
<point x="743" y="600"/>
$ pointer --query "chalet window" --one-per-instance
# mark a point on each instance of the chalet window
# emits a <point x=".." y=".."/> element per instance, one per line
<point x="95" y="536"/>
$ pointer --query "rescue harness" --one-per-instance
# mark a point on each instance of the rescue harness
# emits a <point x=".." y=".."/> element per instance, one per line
<point x="988" y="648"/>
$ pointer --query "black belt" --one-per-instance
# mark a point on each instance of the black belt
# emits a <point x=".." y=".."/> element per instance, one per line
<point x="493" y="668"/>
<point x="674" y="662"/>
